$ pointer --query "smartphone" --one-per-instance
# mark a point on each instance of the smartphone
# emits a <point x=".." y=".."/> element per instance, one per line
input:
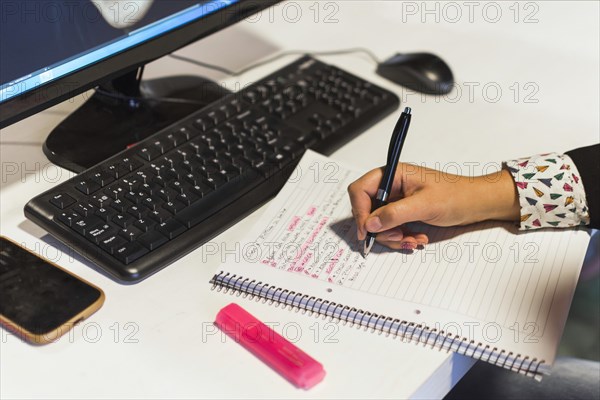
<point x="40" y="301"/>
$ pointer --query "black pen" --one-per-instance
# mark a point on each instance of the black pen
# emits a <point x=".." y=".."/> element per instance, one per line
<point x="396" y="144"/>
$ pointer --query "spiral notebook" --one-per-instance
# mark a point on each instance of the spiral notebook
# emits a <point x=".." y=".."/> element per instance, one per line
<point x="486" y="291"/>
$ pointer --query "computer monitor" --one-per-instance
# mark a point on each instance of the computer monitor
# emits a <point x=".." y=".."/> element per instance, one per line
<point x="52" y="50"/>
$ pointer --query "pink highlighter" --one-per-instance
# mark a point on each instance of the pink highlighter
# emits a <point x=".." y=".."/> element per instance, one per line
<point x="281" y="355"/>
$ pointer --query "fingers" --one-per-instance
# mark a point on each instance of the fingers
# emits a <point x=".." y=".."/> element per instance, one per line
<point x="401" y="238"/>
<point x="407" y="245"/>
<point x="394" y="214"/>
<point x="361" y="192"/>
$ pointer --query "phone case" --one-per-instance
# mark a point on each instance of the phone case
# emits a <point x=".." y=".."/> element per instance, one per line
<point x="53" y="335"/>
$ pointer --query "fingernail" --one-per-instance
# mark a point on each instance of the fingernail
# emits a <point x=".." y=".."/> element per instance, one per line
<point x="395" y="237"/>
<point x="360" y="234"/>
<point x="374" y="224"/>
<point x="408" y="245"/>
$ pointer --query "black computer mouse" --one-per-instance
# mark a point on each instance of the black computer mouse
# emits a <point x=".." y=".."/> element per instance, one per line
<point x="422" y="72"/>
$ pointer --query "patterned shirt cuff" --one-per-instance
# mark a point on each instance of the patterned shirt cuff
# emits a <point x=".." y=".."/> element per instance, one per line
<point x="551" y="192"/>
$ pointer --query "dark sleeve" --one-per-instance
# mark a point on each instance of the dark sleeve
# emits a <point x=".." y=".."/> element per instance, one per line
<point x="587" y="160"/>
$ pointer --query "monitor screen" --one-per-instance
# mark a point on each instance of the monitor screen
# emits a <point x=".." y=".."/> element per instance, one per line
<point x="48" y="40"/>
<point x="43" y="42"/>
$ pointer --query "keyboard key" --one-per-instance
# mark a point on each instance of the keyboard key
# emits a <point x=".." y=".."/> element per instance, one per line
<point x="209" y="169"/>
<point x="171" y="228"/>
<point x="167" y="194"/>
<point x="123" y="220"/>
<point x="106" y="214"/>
<point x="112" y="242"/>
<point x="295" y="149"/>
<point x="132" y="183"/>
<point x="212" y="202"/>
<point x="174" y="207"/>
<point x="137" y="212"/>
<point x="84" y="209"/>
<point x="115" y="191"/>
<point x="227" y="110"/>
<point x="97" y="234"/>
<point x="240" y="161"/>
<point x="149" y="172"/>
<point x="201" y="189"/>
<point x="254" y="157"/>
<point x="182" y="155"/>
<point x="135" y="197"/>
<point x="215" y="181"/>
<point x="100" y="200"/>
<point x="83" y="226"/>
<point x="173" y="174"/>
<point x="131" y="164"/>
<point x="279" y="159"/>
<point x="229" y="173"/>
<point x="217" y="116"/>
<point x="152" y="240"/>
<point x="251" y="97"/>
<point x="121" y="205"/>
<point x="203" y="124"/>
<point x="267" y="169"/>
<point x="159" y="181"/>
<point x="62" y="200"/>
<point x="87" y="186"/>
<point x="69" y="218"/>
<point x="149" y="189"/>
<point x="144" y="224"/>
<point x="148" y="153"/>
<point x="307" y="138"/>
<point x="118" y="170"/>
<point x="186" y="166"/>
<point x="103" y="178"/>
<point x="323" y="131"/>
<point x="192" y="179"/>
<point x="187" y="198"/>
<point x="218" y="147"/>
<point x="131" y="233"/>
<point x="151" y="203"/>
<point x="130" y="252"/>
<point x="163" y="145"/>
<point x="178" y="138"/>
<point x="160" y="215"/>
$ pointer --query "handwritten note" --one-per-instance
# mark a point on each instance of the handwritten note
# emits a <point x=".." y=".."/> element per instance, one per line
<point x="485" y="288"/>
<point x="486" y="271"/>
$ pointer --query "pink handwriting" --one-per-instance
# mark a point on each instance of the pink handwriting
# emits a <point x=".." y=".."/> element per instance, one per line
<point x="303" y="263"/>
<point x="334" y="261"/>
<point x="270" y="263"/>
<point x="308" y="242"/>
<point x="294" y="224"/>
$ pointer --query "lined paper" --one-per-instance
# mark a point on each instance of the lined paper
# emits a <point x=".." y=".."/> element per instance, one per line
<point x="487" y="272"/>
<point x="486" y="283"/>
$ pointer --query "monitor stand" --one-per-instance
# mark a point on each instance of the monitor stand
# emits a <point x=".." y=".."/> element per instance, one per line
<point x="123" y="112"/>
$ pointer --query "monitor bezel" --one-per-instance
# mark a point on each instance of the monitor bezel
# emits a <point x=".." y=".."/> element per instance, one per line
<point x="77" y="82"/>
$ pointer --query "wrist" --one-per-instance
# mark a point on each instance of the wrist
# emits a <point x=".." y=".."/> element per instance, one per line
<point x="498" y="198"/>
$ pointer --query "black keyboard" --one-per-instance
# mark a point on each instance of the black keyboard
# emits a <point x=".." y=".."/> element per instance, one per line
<point x="149" y="205"/>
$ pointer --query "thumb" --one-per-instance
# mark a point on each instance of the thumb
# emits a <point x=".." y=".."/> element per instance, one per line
<point x="394" y="214"/>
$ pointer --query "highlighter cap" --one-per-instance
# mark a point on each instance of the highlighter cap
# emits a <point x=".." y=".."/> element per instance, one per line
<point x="284" y="357"/>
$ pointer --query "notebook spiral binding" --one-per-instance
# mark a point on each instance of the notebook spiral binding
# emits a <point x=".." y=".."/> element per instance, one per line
<point x="405" y="330"/>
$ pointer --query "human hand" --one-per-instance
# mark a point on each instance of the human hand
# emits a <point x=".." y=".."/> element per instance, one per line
<point x="430" y="196"/>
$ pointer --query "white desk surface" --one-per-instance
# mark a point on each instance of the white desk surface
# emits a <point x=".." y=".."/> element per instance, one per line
<point x="526" y="84"/>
